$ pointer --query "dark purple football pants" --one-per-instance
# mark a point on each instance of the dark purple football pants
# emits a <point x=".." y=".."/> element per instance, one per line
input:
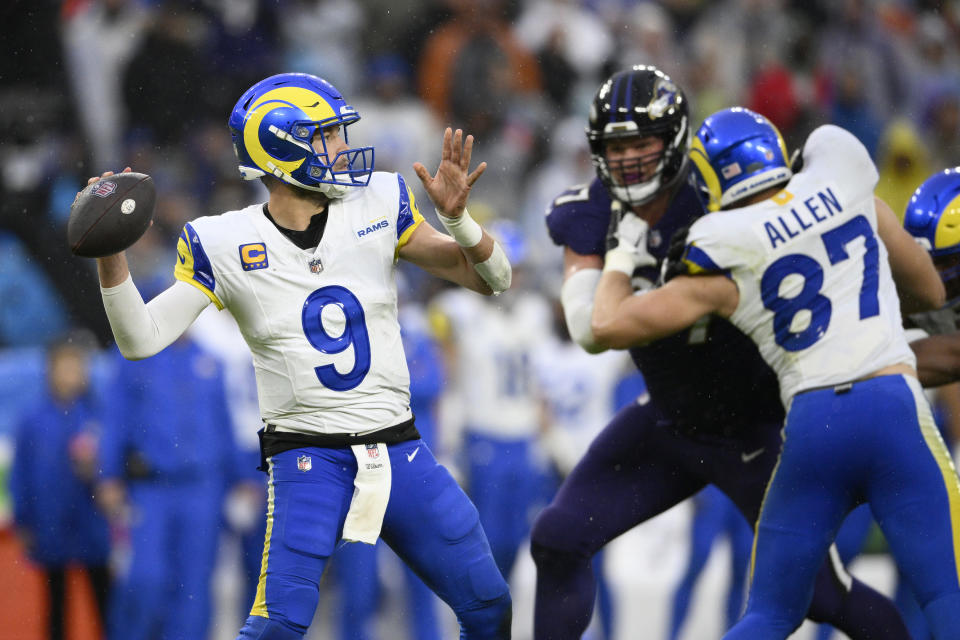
<point x="637" y="468"/>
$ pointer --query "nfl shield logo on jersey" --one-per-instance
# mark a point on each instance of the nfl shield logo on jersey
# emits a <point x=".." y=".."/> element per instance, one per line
<point x="316" y="266"/>
<point x="373" y="451"/>
<point x="304" y="463"/>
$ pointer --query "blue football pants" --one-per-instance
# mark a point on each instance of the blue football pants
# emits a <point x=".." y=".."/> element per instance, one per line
<point x="877" y="443"/>
<point x="430" y="524"/>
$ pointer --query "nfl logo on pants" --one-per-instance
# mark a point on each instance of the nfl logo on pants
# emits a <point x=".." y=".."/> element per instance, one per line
<point x="304" y="463"/>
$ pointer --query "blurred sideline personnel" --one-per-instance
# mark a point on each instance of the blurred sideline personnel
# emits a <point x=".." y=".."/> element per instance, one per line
<point x="798" y="266"/>
<point x="167" y="458"/>
<point x="714" y="516"/>
<point x="491" y="344"/>
<point x="714" y="415"/>
<point x="309" y="278"/>
<point x="51" y="482"/>
<point x="246" y="506"/>
<point x="581" y="392"/>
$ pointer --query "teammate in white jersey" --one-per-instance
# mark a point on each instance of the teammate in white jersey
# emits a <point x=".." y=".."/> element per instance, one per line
<point x="798" y="267"/>
<point x="492" y="344"/>
<point x="309" y="277"/>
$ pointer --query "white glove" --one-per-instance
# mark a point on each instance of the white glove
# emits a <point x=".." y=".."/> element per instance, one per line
<point x="627" y="244"/>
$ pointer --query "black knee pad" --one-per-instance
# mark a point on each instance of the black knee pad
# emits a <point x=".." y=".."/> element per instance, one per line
<point x="559" y="531"/>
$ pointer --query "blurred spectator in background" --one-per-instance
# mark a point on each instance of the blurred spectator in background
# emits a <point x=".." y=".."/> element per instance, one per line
<point x="36" y="317"/>
<point x="167" y="458"/>
<point x="772" y="93"/>
<point x="648" y="37"/>
<point x="567" y="163"/>
<point x="99" y="39"/>
<point x="941" y="127"/>
<point x="51" y="482"/>
<point x="325" y="38"/>
<point x="398" y="125"/>
<point x="473" y="69"/>
<point x="855" y="50"/>
<point x="244" y="45"/>
<point x="571" y="45"/>
<point x="154" y="94"/>
<point x="850" y="106"/>
<point x="903" y="163"/>
<point x="933" y="62"/>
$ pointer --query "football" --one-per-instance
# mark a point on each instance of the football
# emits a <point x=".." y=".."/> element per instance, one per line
<point x="111" y="214"/>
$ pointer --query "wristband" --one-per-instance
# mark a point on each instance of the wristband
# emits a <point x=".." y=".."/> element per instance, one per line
<point x="464" y="229"/>
<point x="620" y="260"/>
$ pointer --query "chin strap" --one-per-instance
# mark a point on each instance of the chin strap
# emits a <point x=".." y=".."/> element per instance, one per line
<point x="333" y="191"/>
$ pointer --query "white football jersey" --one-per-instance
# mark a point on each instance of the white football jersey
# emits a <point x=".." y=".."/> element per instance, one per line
<point x="578" y="388"/>
<point x="321" y="324"/>
<point x="494" y="377"/>
<point x="217" y="333"/>
<point x="816" y="292"/>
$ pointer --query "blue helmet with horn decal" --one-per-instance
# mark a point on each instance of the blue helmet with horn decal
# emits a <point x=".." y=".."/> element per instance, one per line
<point x="276" y="124"/>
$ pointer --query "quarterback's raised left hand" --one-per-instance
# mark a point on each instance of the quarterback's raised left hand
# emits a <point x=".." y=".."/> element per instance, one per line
<point x="627" y="244"/>
<point x="450" y="187"/>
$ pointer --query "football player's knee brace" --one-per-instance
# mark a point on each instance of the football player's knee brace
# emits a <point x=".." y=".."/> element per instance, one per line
<point x="488" y="608"/>
<point x="490" y="621"/>
<point x="260" y="628"/>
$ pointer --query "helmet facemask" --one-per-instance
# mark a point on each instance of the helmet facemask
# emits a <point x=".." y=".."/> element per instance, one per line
<point x="640" y="103"/>
<point x="348" y="168"/>
<point x="639" y="179"/>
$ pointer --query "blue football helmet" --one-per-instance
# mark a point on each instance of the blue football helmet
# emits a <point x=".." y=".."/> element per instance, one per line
<point x="510" y="236"/>
<point x="273" y="127"/>
<point x="737" y="153"/>
<point x="933" y="218"/>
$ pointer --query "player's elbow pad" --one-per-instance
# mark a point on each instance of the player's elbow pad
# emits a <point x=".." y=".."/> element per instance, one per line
<point x="576" y="296"/>
<point x="495" y="270"/>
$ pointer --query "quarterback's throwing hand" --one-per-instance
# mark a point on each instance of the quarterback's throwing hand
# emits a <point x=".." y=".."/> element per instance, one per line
<point x="450" y="186"/>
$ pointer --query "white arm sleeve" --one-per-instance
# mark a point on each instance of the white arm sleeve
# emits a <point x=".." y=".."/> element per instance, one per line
<point x="576" y="296"/>
<point x="142" y="330"/>
<point x="496" y="270"/>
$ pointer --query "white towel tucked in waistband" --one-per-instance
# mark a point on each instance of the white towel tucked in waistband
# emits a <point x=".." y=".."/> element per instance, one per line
<point x="371" y="492"/>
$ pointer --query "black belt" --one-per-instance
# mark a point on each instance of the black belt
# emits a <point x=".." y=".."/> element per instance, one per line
<point x="273" y="442"/>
